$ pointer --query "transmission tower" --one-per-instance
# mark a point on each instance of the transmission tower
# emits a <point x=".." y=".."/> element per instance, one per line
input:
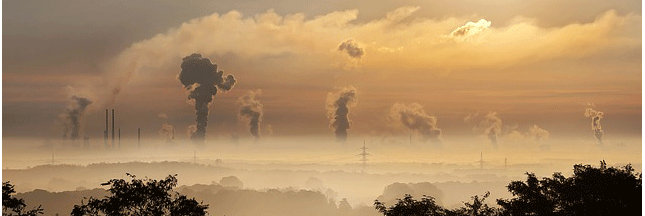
<point x="364" y="155"/>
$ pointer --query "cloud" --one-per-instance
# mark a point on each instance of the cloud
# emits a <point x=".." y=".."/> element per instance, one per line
<point x="415" y="118"/>
<point x="422" y="43"/>
<point x="470" y="29"/>
<point x="351" y="48"/>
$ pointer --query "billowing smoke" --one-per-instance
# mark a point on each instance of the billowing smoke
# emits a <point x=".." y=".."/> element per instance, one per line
<point x="338" y="104"/>
<point x="490" y="125"/>
<point x="415" y="118"/>
<point x="190" y="130"/>
<point x="203" y="80"/>
<point x="596" y="116"/>
<point x="72" y="117"/>
<point x="493" y="127"/>
<point x="251" y="109"/>
<point x="351" y="48"/>
<point x="168" y="132"/>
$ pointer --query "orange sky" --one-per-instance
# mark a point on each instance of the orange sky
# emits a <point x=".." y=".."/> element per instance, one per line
<point x="533" y="67"/>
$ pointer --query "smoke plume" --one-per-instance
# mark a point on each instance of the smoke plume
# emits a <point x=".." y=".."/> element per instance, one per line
<point x="490" y="125"/>
<point x="72" y="117"/>
<point x="203" y="80"/>
<point x="190" y="130"/>
<point x="415" y="118"/>
<point x="351" y="48"/>
<point x="338" y="104"/>
<point x="596" y="116"/>
<point x="168" y="132"/>
<point x="251" y="109"/>
<point x="538" y="133"/>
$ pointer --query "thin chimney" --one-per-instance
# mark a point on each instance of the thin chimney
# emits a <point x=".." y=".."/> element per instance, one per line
<point x="105" y="133"/>
<point x="119" y="137"/>
<point x="112" y="128"/>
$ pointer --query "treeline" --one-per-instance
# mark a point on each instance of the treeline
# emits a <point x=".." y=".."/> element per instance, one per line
<point x="589" y="191"/>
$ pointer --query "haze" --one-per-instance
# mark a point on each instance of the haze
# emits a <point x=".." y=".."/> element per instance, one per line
<point x="465" y="95"/>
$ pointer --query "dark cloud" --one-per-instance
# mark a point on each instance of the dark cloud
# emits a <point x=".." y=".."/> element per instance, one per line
<point x="415" y="118"/>
<point x="596" y="116"/>
<point x="72" y="117"/>
<point x="203" y="80"/>
<point x="338" y="104"/>
<point x="251" y="109"/>
<point x="351" y="48"/>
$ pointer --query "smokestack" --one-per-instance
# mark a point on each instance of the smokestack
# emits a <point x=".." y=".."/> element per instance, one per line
<point x="138" y="137"/>
<point x="105" y="132"/>
<point x="112" y="128"/>
<point x="203" y="80"/>
<point x="119" y="137"/>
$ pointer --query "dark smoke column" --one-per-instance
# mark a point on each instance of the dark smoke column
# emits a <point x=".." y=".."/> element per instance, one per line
<point x="338" y="104"/>
<point x="203" y="80"/>
<point x="72" y="118"/>
<point x="251" y="109"/>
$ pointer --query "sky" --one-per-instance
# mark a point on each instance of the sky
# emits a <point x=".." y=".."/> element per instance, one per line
<point x="437" y="70"/>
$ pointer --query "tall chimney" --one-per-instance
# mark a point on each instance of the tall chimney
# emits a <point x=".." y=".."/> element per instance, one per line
<point x="112" y="128"/>
<point x="119" y="137"/>
<point x="105" y="133"/>
<point x="138" y="137"/>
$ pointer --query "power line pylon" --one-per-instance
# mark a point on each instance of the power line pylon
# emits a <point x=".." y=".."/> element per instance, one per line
<point x="364" y="155"/>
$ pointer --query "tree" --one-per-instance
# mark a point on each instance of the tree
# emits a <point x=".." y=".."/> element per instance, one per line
<point x="13" y="206"/>
<point x="590" y="191"/>
<point x="410" y="207"/>
<point x="141" y="197"/>
<point x="477" y="208"/>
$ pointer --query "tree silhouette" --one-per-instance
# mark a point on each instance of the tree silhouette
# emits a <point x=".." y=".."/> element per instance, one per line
<point x="590" y="191"/>
<point x="477" y="208"/>
<point x="141" y="197"/>
<point x="427" y="207"/>
<point x="410" y="207"/>
<point x="13" y="206"/>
